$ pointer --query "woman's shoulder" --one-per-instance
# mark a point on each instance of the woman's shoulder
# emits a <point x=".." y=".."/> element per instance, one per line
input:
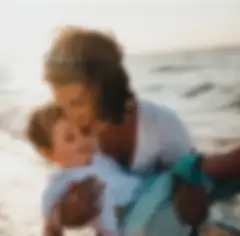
<point x="157" y="112"/>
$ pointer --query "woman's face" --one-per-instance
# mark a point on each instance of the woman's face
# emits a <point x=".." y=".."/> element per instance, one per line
<point x="78" y="103"/>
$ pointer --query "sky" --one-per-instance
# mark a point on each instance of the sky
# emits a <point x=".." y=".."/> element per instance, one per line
<point x="140" y="25"/>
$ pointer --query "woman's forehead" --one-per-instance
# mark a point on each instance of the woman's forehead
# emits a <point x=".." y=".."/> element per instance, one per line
<point x="69" y="92"/>
<point x="71" y="88"/>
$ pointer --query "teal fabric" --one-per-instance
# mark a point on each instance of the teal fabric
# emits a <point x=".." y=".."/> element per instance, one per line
<point x="185" y="167"/>
<point x="223" y="189"/>
<point x="153" y="214"/>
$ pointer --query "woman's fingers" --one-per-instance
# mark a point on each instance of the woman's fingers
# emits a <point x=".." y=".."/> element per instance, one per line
<point x="77" y="200"/>
<point x="54" y="219"/>
<point x="191" y="203"/>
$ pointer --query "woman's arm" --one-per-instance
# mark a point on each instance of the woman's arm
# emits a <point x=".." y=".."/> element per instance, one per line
<point x="177" y="142"/>
<point x="190" y="198"/>
<point x="50" y="231"/>
<point x="222" y="165"/>
<point x="52" y="223"/>
<point x="191" y="201"/>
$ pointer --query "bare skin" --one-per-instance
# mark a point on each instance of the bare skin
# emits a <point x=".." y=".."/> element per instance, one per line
<point x="221" y="165"/>
<point x="121" y="146"/>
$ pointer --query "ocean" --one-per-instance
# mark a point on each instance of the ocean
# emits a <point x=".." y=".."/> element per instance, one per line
<point x="202" y="86"/>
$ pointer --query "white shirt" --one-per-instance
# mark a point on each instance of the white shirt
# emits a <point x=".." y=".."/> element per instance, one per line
<point x="119" y="191"/>
<point x="161" y="136"/>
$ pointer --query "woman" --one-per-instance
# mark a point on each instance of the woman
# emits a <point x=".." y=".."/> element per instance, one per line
<point x="85" y="72"/>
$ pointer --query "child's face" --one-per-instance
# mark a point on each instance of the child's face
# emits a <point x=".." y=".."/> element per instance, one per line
<point x="69" y="146"/>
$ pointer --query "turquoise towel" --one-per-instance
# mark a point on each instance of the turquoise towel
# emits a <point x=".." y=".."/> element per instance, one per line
<point x="153" y="214"/>
<point x="218" y="189"/>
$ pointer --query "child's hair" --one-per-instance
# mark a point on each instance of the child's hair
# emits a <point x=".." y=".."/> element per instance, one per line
<point x="41" y="123"/>
<point x="94" y="59"/>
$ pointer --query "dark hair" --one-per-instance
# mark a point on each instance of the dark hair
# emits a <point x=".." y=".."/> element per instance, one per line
<point x="95" y="60"/>
<point x="41" y="123"/>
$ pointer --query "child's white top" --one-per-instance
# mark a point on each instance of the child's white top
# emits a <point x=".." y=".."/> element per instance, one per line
<point x="119" y="191"/>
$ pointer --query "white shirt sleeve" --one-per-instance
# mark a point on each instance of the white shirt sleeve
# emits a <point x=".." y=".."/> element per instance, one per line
<point x="177" y="139"/>
<point x="162" y="137"/>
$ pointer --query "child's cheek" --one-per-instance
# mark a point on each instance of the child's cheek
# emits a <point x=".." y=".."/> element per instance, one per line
<point x="60" y="156"/>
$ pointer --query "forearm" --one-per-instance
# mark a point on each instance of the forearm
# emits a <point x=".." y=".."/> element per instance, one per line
<point x="222" y="165"/>
<point x="49" y="232"/>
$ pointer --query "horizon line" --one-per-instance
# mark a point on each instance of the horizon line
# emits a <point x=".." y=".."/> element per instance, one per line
<point x="183" y="49"/>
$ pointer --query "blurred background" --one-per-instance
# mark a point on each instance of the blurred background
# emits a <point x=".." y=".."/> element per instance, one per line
<point x="181" y="53"/>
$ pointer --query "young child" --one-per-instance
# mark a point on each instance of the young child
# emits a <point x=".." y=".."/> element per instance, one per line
<point x="104" y="187"/>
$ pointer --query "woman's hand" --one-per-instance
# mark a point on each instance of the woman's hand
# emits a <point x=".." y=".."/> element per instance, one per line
<point x="71" y="207"/>
<point x="78" y="207"/>
<point x="52" y="226"/>
<point x="191" y="203"/>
